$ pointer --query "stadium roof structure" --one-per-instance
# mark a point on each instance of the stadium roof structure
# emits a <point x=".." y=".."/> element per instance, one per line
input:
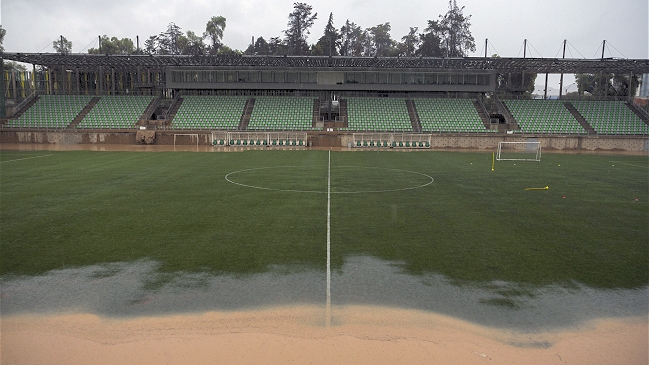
<point x="500" y="65"/>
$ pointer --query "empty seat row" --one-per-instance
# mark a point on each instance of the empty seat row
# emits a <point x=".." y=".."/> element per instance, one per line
<point x="611" y="117"/>
<point x="378" y="114"/>
<point x="282" y="113"/>
<point x="51" y="111"/>
<point x="116" y="112"/>
<point x="543" y="116"/>
<point x="449" y="115"/>
<point x="210" y="112"/>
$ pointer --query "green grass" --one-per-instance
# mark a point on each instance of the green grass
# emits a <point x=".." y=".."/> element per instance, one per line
<point x="472" y="224"/>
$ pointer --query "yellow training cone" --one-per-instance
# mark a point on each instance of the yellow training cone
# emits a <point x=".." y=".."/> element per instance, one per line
<point x="545" y="188"/>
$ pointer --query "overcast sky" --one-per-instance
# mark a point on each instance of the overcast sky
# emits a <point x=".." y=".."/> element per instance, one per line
<point x="32" y="25"/>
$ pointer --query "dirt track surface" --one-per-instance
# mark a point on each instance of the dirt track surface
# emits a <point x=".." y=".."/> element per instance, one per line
<point x="299" y="335"/>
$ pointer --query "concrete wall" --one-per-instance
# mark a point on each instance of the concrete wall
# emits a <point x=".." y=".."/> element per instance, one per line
<point x="334" y="139"/>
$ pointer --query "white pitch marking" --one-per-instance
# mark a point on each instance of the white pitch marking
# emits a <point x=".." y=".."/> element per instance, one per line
<point x="328" y="307"/>
<point x="25" y="158"/>
<point x="628" y="164"/>
<point x="228" y="179"/>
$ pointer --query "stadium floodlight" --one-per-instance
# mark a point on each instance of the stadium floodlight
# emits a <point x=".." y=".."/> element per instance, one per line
<point x="519" y="151"/>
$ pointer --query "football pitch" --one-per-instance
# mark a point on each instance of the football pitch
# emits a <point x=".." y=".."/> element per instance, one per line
<point x="256" y="212"/>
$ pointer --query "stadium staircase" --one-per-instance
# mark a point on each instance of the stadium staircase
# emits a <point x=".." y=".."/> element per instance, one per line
<point x="509" y="118"/>
<point x="24" y="108"/>
<point x="150" y="110"/>
<point x="414" y="116"/>
<point x="173" y="109"/>
<point x="86" y="109"/>
<point x="247" y="114"/>
<point x="580" y="118"/>
<point x="641" y="113"/>
<point x="343" y="112"/>
<point x="482" y="112"/>
<point x="316" y="112"/>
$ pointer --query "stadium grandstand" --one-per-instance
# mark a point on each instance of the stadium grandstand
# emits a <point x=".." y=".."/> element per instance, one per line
<point x="318" y="95"/>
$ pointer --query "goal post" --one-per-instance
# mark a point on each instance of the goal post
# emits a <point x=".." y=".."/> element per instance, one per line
<point x="519" y="151"/>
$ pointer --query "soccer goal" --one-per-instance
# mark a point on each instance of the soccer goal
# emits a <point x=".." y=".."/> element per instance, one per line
<point x="519" y="151"/>
<point x="183" y="138"/>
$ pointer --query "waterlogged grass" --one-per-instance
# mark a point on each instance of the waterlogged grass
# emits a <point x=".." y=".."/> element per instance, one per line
<point x="471" y="224"/>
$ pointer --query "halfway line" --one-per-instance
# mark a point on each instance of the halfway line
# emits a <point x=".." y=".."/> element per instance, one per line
<point x="328" y="307"/>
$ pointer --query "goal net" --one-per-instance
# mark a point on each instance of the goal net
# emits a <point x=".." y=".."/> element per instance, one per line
<point x="185" y="139"/>
<point x="519" y="151"/>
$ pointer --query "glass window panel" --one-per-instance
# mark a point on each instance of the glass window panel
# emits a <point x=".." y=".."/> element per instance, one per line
<point x="292" y="77"/>
<point x="266" y="76"/>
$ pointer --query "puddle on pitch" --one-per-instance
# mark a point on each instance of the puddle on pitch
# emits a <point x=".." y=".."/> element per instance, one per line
<point x="140" y="289"/>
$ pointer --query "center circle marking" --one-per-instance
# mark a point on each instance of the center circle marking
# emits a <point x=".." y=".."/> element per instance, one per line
<point x="229" y="179"/>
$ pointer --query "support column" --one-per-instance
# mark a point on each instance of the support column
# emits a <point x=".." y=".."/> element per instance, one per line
<point x="62" y="81"/>
<point x="561" y="79"/>
<point x="34" y="78"/>
<point x="545" y="92"/>
<point x="3" y="110"/>
<point x="112" y="81"/>
<point x="13" y="84"/>
<point x="101" y="81"/>
<point x="78" y="81"/>
<point x="48" y="75"/>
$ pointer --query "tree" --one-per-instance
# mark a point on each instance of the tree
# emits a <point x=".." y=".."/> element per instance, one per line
<point x="608" y="84"/>
<point x="151" y="45"/>
<point x="329" y="43"/>
<point x="409" y="43"/>
<point x="261" y="47"/>
<point x="194" y="44"/>
<point x="513" y="84"/>
<point x="299" y="22"/>
<point x="214" y="31"/>
<point x="453" y="31"/>
<point x="351" y="39"/>
<point x="113" y="45"/>
<point x="3" y="32"/>
<point x="429" y="45"/>
<point x="225" y="50"/>
<point x="277" y="47"/>
<point x="381" y="43"/>
<point x="11" y="65"/>
<point x="62" y="45"/>
<point x="169" y="42"/>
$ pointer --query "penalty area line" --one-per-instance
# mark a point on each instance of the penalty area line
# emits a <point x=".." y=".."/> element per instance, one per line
<point x="628" y="164"/>
<point x="26" y="158"/>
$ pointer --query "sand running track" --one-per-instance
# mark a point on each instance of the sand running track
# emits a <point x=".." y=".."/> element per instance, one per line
<point x="298" y="335"/>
